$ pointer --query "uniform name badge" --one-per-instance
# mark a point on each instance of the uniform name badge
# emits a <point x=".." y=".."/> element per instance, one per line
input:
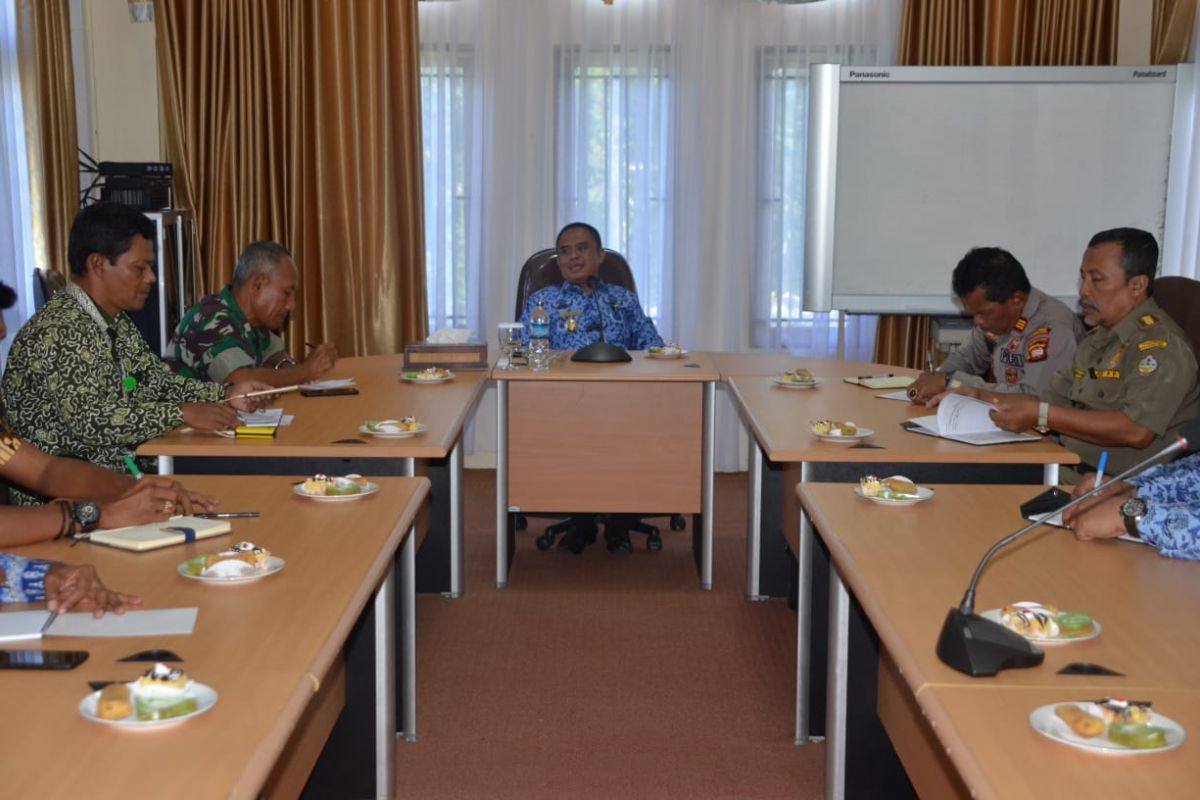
<point x="570" y="321"/>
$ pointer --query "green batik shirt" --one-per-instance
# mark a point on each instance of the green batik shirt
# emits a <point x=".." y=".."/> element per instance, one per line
<point x="214" y="339"/>
<point x="81" y="386"/>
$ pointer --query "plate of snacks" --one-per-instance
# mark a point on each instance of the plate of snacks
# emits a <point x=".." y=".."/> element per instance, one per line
<point x="1045" y="624"/>
<point x="1112" y="726"/>
<point x="830" y="430"/>
<point x="243" y="562"/>
<point x="163" y="695"/>
<point x="798" y="378"/>
<point x="894" y="491"/>
<point x="430" y="375"/>
<point x="670" y="350"/>
<point x="392" y="428"/>
<point x="335" y="489"/>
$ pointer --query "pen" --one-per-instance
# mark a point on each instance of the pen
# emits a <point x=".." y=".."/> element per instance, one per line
<point x="1100" y="468"/>
<point x="229" y="515"/>
<point x="929" y="359"/>
<point x="873" y="377"/>
<point x="49" y="621"/>
<point x="261" y="392"/>
<point x="132" y="466"/>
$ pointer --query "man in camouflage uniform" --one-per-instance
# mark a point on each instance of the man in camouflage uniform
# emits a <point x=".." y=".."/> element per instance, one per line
<point x="1021" y="333"/>
<point x="232" y="335"/>
<point x="1133" y="381"/>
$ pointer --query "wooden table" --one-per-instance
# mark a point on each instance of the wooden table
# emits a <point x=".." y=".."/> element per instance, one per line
<point x="272" y="649"/>
<point x="907" y="566"/>
<point x="606" y="438"/>
<point x="325" y="431"/>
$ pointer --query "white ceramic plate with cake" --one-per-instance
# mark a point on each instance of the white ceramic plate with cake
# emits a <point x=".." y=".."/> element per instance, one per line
<point x="894" y="491"/>
<point x="335" y="490"/>
<point x="666" y="351"/>
<point x="837" y="431"/>
<point x="164" y="695"/>
<point x="393" y="428"/>
<point x="431" y="375"/>
<point x="1045" y="624"/>
<point x="1167" y="733"/>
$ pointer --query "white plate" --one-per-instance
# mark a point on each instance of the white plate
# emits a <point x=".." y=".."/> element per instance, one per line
<point x="298" y="489"/>
<point x="923" y="494"/>
<point x="206" y="698"/>
<point x="1047" y="723"/>
<point x="673" y="354"/>
<point x="410" y="376"/>
<point x="274" y="564"/>
<point x="994" y="614"/>
<point x="780" y="382"/>
<point x="863" y="433"/>
<point x="421" y="428"/>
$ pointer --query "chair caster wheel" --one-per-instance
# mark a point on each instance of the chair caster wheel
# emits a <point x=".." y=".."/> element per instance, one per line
<point x="545" y="542"/>
<point x="678" y="523"/>
<point x="654" y="542"/>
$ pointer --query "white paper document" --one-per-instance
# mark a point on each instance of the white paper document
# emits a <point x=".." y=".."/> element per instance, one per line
<point x="267" y="418"/>
<point x="901" y="395"/>
<point x="965" y="419"/>
<point x="335" y="383"/>
<point x="158" y="622"/>
<point x="17" y="626"/>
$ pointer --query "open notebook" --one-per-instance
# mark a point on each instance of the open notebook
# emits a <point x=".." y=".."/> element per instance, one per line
<point x="177" y="530"/>
<point x="965" y="419"/>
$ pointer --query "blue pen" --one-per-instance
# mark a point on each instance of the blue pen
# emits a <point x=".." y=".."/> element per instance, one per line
<point x="1100" y="468"/>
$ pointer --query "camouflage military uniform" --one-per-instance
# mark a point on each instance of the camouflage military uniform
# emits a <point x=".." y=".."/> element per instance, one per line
<point x="1142" y="366"/>
<point x="214" y="339"/>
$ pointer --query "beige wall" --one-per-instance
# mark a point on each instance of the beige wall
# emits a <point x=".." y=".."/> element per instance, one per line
<point x="116" y="82"/>
<point x="1133" y="31"/>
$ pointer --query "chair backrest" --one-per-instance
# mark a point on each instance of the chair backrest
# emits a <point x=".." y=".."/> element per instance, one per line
<point x="46" y="283"/>
<point x="1180" y="298"/>
<point x="541" y="270"/>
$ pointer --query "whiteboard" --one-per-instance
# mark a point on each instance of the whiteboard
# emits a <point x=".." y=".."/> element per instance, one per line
<point x="917" y="165"/>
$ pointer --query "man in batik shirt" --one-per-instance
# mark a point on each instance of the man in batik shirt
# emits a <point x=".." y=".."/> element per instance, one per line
<point x="573" y="305"/>
<point x="232" y="335"/>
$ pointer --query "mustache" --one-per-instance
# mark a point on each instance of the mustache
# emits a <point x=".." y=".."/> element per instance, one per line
<point x="1088" y="304"/>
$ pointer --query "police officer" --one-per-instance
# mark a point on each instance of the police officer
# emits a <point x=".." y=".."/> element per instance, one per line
<point x="1023" y="334"/>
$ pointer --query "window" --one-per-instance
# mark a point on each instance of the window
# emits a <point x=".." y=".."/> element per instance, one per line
<point x="447" y="127"/>
<point x="612" y="139"/>
<point x="779" y="320"/>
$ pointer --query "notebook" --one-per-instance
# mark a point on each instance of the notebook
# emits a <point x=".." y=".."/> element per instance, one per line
<point x="965" y="419"/>
<point x="881" y="381"/>
<point x="177" y="530"/>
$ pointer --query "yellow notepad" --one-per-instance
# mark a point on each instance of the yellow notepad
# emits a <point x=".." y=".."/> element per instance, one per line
<point x="255" y="431"/>
<point x="178" y="530"/>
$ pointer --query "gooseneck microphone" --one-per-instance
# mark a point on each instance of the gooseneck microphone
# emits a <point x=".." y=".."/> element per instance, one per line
<point x="979" y="647"/>
<point x="600" y="352"/>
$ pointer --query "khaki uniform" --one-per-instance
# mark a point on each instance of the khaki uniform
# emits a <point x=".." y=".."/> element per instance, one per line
<point x="1142" y="366"/>
<point x="1022" y="360"/>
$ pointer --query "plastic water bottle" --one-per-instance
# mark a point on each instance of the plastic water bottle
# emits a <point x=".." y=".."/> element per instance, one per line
<point x="539" y="340"/>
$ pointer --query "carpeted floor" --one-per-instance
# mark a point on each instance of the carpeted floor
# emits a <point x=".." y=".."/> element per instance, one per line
<point x="603" y="675"/>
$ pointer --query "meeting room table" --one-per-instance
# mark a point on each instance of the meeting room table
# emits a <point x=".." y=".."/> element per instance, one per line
<point x="325" y="436"/>
<point x="290" y="656"/>
<point x="634" y="437"/>
<point x="956" y="735"/>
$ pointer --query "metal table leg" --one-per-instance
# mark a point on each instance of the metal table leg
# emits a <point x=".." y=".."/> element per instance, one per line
<point x="835" y="694"/>
<point x="501" y="484"/>
<point x="754" y="502"/>
<point x="385" y="684"/>
<point x="804" y="587"/>
<point x="456" y="520"/>
<point x="706" y="486"/>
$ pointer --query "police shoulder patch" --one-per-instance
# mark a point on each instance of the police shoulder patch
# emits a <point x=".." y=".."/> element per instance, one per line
<point x="1147" y="365"/>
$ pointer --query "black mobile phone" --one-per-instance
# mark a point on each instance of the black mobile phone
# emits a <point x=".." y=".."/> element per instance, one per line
<point x="1047" y="502"/>
<point x="42" y="659"/>
<point x="335" y="392"/>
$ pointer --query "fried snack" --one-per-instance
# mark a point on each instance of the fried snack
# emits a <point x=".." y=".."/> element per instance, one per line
<point x="899" y="485"/>
<point x="1083" y="723"/>
<point x="114" y="702"/>
<point x="828" y="427"/>
<point x="1139" y="737"/>
<point x="244" y="558"/>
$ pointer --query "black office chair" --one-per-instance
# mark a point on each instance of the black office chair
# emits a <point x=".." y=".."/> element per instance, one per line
<point x="1180" y="298"/>
<point x="539" y="271"/>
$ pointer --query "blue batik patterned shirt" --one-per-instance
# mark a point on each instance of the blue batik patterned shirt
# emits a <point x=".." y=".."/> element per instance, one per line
<point x="574" y="323"/>
<point x="1172" y="494"/>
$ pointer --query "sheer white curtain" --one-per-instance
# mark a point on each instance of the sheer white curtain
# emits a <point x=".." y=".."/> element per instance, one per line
<point x="16" y="255"/>
<point x="674" y="126"/>
<point x="1181" y="251"/>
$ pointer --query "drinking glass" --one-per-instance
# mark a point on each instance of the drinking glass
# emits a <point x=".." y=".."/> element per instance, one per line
<point x="510" y="342"/>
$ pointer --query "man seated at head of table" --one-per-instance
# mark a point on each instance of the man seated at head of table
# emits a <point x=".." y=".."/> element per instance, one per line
<point x="1161" y="507"/>
<point x="81" y="381"/>
<point x="1133" y="380"/>
<point x="1021" y="333"/>
<point x="232" y="335"/>
<point x="62" y="587"/>
<point x="574" y="304"/>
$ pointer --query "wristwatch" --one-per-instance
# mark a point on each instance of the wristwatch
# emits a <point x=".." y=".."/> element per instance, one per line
<point x="86" y="514"/>
<point x="1132" y="510"/>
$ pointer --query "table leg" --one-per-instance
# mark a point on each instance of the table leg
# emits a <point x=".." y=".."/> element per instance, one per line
<point x="166" y="465"/>
<point x="385" y="683"/>
<point x="501" y="484"/>
<point x="804" y="590"/>
<point x="754" y="521"/>
<point x="835" y="692"/>
<point x="706" y="486"/>
<point x="456" y="520"/>
<point x="408" y="637"/>
<point x="1050" y="475"/>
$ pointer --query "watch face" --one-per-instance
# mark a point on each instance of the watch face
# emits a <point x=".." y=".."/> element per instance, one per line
<point x="86" y="512"/>
<point x="1134" y="507"/>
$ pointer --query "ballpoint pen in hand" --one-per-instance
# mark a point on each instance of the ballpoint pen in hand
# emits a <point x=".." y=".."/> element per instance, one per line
<point x="262" y="392"/>
<point x="1100" y="468"/>
<point x="228" y="515"/>
<point x="132" y="466"/>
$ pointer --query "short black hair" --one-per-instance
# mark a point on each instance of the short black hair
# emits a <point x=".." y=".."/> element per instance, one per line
<point x="107" y="229"/>
<point x="595" y="233"/>
<point x="1139" y="252"/>
<point x="8" y="296"/>
<point x="993" y="268"/>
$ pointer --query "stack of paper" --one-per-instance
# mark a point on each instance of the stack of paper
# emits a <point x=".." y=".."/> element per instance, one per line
<point x="965" y="419"/>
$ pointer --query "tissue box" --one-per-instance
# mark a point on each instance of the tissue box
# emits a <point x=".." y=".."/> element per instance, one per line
<point x="422" y="355"/>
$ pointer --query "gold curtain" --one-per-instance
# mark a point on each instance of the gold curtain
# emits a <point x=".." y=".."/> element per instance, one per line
<point x="48" y="85"/>
<point x="991" y="33"/>
<point x="1171" y="31"/>
<point x="300" y="123"/>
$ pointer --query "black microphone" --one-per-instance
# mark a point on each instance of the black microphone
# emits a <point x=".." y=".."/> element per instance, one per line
<point x="600" y="352"/>
<point x="977" y="646"/>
